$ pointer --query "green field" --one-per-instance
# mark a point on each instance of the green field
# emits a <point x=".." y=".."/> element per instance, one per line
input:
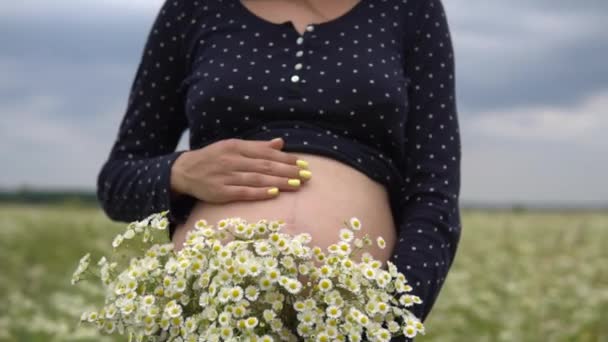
<point x="518" y="276"/>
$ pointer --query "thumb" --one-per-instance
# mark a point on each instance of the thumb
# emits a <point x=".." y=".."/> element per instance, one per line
<point x="277" y="142"/>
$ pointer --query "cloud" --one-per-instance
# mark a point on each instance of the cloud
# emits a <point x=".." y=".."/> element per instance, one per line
<point x="538" y="153"/>
<point x="584" y="123"/>
<point x="502" y="171"/>
<point x="66" y="71"/>
<point x="532" y="85"/>
<point x="42" y="150"/>
<point x="44" y="8"/>
<point x="526" y="54"/>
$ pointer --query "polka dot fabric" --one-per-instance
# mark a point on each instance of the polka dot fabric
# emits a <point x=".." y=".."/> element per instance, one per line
<point x="372" y="88"/>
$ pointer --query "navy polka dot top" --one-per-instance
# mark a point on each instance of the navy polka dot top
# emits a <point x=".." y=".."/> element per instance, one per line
<point x="372" y="88"/>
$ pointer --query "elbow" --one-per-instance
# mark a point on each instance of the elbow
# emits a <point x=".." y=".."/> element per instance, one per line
<point x="105" y="193"/>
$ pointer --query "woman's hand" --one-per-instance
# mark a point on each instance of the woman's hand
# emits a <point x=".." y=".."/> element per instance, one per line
<point x="236" y="169"/>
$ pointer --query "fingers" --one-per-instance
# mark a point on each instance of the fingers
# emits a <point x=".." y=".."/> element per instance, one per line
<point x="247" y="193"/>
<point x="259" y="166"/>
<point x="276" y="143"/>
<point x="260" y="149"/>
<point x="270" y="168"/>
<point x="259" y="180"/>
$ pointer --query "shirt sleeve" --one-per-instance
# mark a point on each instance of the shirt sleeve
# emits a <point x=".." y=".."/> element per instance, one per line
<point x="429" y="224"/>
<point x="135" y="179"/>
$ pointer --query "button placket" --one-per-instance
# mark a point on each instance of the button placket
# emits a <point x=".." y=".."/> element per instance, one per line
<point x="299" y="54"/>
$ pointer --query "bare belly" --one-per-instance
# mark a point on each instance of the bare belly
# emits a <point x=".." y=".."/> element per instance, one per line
<point x="335" y="193"/>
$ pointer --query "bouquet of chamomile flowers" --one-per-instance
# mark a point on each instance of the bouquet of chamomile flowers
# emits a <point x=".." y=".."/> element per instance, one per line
<point x="261" y="285"/>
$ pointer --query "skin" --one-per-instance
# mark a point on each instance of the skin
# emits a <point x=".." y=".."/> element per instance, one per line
<point x="301" y="12"/>
<point x="335" y="193"/>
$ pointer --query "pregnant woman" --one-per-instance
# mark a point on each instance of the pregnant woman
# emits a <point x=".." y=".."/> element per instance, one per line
<point x="360" y="94"/>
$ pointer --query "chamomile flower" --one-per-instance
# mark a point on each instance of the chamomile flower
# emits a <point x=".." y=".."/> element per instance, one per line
<point x="306" y="317"/>
<point x="127" y="309"/>
<point x="173" y="309"/>
<point x="346" y="234"/>
<point x="180" y="284"/>
<point x="190" y="324"/>
<point x="363" y="320"/>
<point x="273" y="274"/>
<point x="326" y="270"/>
<point x="409" y="331"/>
<point x="419" y="327"/>
<point x="222" y="224"/>
<point x="226" y="333"/>
<point x="92" y="316"/>
<point x="83" y="265"/>
<point x="323" y="337"/>
<point x="240" y="229"/>
<point x="129" y="234"/>
<point x="282" y="244"/>
<point x="355" y="224"/>
<point x="249" y="233"/>
<point x="325" y="284"/>
<point x="369" y="272"/>
<point x="117" y="240"/>
<point x="262" y="248"/>
<point x="265" y="283"/>
<point x="252" y="293"/>
<point x="381" y="243"/>
<point x="304" y="330"/>
<point x="382" y="307"/>
<point x="148" y="300"/>
<point x="299" y="306"/>
<point x="153" y="311"/>
<point x="260" y="229"/>
<point x="393" y="326"/>
<point x="225" y="318"/>
<point x="202" y="223"/>
<point x="347" y="263"/>
<point x="109" y="327"/>
<point x="268" y="315"/>
<point x="293" y="286"/>
<point x="333" y="311"/>
<point x="344" y="248"/>
<point x="208" y="232"/>
<point x="251" y="322"/>
<point x="239" y="286"/>
<point x="236" y="293"/>
<point x="275" y="225"/>
<point x="266" y="338"/>
<point x="303" y="269"/>
<point x="406" y="300"/>
<point x="165" y="249"/>
<point x="383" y="335"/>
<point x="303" y="238"/>
<point x="224" y="295"/>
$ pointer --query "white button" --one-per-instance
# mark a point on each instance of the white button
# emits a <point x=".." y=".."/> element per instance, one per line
<point x="298" y="66"/>
<point x="295" y="78"/>
<point x="299" y="53"/>
<point x="299" y="40"/>
<point x="309" y="28"/>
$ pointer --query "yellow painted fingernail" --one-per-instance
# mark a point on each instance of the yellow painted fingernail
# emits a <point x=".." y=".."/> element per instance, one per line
<point x="294" y="182"/>
<point x="301" y="163"/>
<point x="305" y="174"/>
<point x="273" y="191"/>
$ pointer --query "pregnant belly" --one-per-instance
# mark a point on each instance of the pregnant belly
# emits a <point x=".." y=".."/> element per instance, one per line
<point x="335" y="193"/>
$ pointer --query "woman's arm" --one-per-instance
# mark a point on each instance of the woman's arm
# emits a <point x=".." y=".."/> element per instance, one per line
<point x="135" y="181"/>
<point x="430" y="219"/>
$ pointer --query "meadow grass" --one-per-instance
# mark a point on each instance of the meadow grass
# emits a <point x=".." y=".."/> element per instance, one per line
<point x="518" y="276"/>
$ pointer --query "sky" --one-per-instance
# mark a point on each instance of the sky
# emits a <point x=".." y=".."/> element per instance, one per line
<point x="531" y="83"/>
